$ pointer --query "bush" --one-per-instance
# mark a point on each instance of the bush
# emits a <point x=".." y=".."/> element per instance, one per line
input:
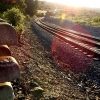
<point x="16" y="18"/>
<point x="96" y="19"/>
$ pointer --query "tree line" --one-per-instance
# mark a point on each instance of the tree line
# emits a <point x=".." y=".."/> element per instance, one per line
<point x="15" y="12"/>
<point x="26" y="6"/>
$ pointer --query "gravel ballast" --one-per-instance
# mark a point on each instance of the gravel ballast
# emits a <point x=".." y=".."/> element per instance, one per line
<point x="41" y="78"/>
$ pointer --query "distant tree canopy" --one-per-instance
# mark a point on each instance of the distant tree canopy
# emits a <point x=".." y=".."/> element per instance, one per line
<point x="96" y="19"/>
<point x="13" y="11"/>
<point x="8" y="0"/>
<point x="4" y="5"/>
<point x="8" y="4"/>
<point x="32" y="6"/>
<point x="26" y="6"/>
<point x="48" y="14"/>
<point x="20" y="4"/>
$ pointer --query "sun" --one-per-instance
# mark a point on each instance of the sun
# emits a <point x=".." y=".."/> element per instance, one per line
<point x="78" y="3"/>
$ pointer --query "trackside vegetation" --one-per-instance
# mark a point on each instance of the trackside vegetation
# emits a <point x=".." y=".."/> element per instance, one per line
<point x="15" y="12"/>
<point x="16" y="18"/>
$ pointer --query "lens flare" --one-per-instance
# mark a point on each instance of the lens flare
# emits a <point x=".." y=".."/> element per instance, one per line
<point x="68" y="57"/>
<point x="63" y="16"/>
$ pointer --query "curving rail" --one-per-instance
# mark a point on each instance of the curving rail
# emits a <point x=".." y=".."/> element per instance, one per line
<point x="86" y="43"/>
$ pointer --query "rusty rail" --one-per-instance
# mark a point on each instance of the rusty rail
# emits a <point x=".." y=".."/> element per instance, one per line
<point x="81" y="41"/>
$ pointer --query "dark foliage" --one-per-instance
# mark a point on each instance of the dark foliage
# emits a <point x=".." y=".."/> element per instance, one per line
<point x="32" y="6"/>
<point x="8" y="4"/>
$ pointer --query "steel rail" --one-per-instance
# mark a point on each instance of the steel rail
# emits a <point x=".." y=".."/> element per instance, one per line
<point x="74" y="32"/>
<point x="77" y="37"/>
<point x="66" y="38"/>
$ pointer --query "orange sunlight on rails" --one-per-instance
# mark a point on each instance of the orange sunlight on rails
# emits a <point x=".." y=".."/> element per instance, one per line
<point x="78" y="3"/>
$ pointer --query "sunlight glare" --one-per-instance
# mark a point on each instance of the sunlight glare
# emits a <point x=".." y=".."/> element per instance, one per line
<point x="78" y="3"/>
<point x="63" y="16"/>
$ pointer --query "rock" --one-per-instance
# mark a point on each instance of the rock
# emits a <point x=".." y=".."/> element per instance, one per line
<point x="34" y="84"/>
<point x="47" y="95"/>
<point x="29" y="28"/>
<point x="37" y="91"/>
<point x="24" y="62"/>
<point x="19" y="92"/>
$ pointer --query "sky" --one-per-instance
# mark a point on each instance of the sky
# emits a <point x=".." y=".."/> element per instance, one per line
<point x="79" y="3"/>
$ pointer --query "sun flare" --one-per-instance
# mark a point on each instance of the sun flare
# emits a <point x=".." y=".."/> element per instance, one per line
<point x="78" y="3"/>
<point x="63" y="16"/>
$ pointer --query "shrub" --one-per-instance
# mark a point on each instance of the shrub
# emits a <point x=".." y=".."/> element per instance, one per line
<point x="16" y="18"/>
<point x="96" y="19"/>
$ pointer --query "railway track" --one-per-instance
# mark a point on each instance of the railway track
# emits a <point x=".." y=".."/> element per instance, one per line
<point x="87" y="44"/>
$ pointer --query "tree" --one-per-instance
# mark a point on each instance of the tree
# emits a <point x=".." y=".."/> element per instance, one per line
<point x="48" y="14"/>
<point x="32" y="6"/>
<point x="13" y="12"/>
<point x="20" y="4"/>
<point x="8" y="4"/>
